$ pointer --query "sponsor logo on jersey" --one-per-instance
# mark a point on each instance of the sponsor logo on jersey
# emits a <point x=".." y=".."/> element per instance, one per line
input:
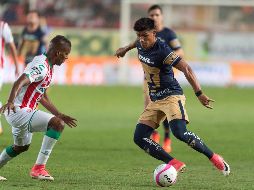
<point x="145" y="59"/>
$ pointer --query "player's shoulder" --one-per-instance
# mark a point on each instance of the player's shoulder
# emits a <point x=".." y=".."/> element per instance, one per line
<point x="161" y="45"/>
<point x="162" y="48"/>
<point x="168" y="30"/>
<point x="40" y="61"/>
<point x="4" y="26"/>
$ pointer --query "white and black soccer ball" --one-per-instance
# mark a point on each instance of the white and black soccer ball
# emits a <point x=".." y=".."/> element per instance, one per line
<point x="165" y="175"/>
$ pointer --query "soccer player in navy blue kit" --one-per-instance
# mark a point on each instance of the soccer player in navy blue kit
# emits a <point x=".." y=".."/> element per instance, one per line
<point x="33" y="40"/>
<point x="168" y="36"/>
<point x="167" y="98"/>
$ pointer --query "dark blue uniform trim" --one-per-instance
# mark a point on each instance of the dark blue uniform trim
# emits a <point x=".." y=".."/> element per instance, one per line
<point x="181" y="109"/>
<point x="178" y="59"/>
<point x="176" y="48"/>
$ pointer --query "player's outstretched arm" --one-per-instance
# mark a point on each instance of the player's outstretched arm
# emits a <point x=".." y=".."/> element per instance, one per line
<point x="190" y="76"/>
<point x="15" y="57"/>
<point x="45" y="101"/>
<point x="123" y="50"/>
<point x="18" y="84"/>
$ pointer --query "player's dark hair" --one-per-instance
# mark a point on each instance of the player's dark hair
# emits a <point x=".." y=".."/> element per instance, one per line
<point x="153" y="7"/>
<point x="59" y="39"/>
<point x="143" y="24"/>
<point x="34" y="11"/>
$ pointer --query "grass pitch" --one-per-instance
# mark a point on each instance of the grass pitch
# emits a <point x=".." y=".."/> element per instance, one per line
<point x="100" y="153"/>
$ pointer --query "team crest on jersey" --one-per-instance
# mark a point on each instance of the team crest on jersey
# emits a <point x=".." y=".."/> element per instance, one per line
<point x="171" y="58"/>
<point x="145" y="59"/>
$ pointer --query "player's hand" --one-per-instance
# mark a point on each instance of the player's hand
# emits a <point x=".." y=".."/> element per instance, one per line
<point x="206" y="101"/>
<point x="121" y="52"/>
<point x="70" y="121"/>
<point x="8" y="106"/>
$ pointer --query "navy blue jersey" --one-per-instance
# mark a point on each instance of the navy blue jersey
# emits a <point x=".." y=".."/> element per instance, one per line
<point x="167" y="35"/>
<point x="157" y="63"/>
<point x="33" y="42"/>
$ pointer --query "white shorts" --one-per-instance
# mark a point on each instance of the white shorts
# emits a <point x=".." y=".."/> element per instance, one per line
<point x="26" y="121"/>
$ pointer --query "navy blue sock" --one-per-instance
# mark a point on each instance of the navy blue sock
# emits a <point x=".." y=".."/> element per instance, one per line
<point x="166" y="129"/>
<point x="142" y="139"/>
<point x="178" y="128"/>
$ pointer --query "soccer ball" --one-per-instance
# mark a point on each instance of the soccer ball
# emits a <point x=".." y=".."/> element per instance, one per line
<point x="165" y="175"/>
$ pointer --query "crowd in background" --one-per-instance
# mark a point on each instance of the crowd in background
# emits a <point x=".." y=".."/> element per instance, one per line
<point x="92" y="14"/>
<point x="106" y="14"/>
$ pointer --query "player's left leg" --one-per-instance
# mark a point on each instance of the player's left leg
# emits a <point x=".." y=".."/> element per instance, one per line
<point x="142" y="135"/>
<point x="142" y="139"/>
<point x="178" y="128"/>
<point x="167" y="141"/>
<point x="53" y="126"/>
<point x="22" y="139"/>
<point x="148" y="121"/>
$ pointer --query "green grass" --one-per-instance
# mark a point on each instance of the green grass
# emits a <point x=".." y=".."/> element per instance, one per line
<point x="100" y="153"/>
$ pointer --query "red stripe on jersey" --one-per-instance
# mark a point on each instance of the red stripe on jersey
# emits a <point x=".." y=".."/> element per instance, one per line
<point x="2" y="53"/>
<point x="33" y="101"/>
<point x="28" y="94"/>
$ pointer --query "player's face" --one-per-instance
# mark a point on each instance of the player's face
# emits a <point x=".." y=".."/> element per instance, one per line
<point x="156" y="15"/>
<point x="32" y="18"/>
<point x="62" y="55"/>
<point x="146" y="38"/>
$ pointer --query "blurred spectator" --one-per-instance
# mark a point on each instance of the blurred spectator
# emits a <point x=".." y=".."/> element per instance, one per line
<point x="33" y="39"/>
<point x="10" y="14"/>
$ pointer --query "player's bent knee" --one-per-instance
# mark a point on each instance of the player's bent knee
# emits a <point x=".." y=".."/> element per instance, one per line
<point x="56" y="124"/>
<point x="20" y="149"/>
<point x="142" y="131"/>
<point x="180" y="136"/>
<point x="178" y="128"/>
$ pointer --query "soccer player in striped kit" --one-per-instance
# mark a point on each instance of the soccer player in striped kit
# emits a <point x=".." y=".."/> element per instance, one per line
<point x="21" y="113"/>
<point x="6" y="38"/>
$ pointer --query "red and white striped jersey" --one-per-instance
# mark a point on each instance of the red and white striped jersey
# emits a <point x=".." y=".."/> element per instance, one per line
<point x="5" y="38"/>
<point x="39" y="72"/>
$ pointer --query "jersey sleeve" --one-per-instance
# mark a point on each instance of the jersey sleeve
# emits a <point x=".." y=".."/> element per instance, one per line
<point x="173" y="40"/>
<point x="36" y="70"/>
<point x="170" y="57"/>
<point x="171" y="35"/>
<point x="7" y="34"/>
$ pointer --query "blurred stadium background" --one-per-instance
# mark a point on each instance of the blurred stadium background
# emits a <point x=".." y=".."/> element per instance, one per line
<point x="216" y="36"/>
<point x="218" y="40"/>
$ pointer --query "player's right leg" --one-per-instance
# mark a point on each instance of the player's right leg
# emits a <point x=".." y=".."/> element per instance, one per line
<point x="142" y="135"/>
<point x="148" y="121"/>
<point x="53" y="127"/>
